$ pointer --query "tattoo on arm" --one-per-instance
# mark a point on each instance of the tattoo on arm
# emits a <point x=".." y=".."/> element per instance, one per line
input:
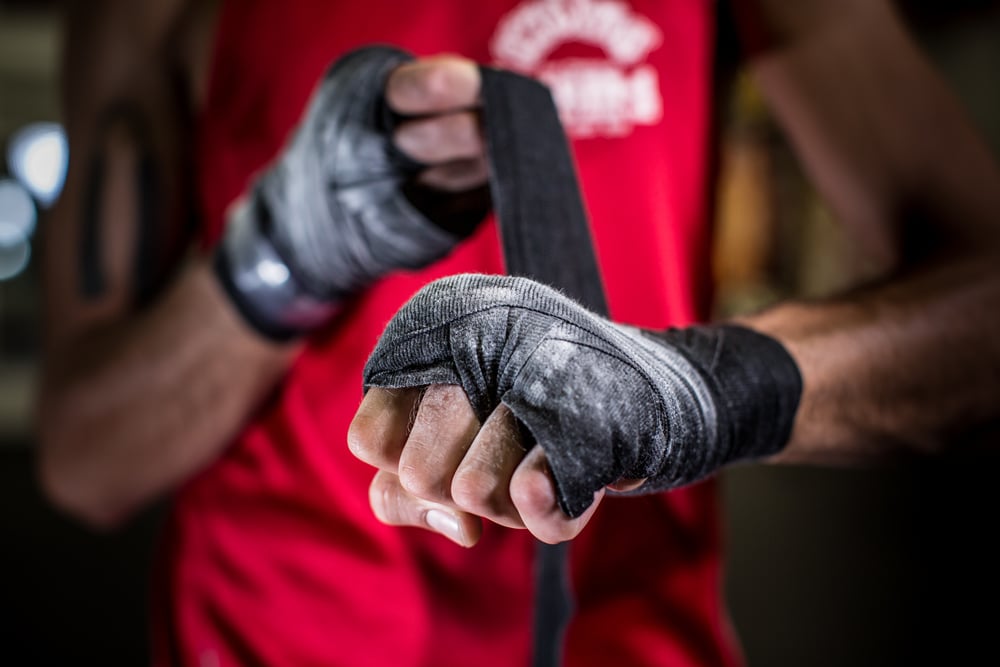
<point x="149" y="219"/>
<point x="92" y="281"/>
<point x="148" y="214"/>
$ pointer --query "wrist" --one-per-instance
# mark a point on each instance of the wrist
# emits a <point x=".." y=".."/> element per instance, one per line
<point x="260" y="283"/>
<point x="755" y="381"/>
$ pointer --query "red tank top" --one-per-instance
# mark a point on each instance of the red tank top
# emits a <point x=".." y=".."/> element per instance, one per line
<point x="272" y="556"/>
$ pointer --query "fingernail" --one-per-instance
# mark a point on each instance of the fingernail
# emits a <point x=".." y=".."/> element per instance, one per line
<point x="446" y="524"/>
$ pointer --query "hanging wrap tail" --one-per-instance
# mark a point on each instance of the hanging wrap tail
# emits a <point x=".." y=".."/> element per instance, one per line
<point x="545" y="236"/>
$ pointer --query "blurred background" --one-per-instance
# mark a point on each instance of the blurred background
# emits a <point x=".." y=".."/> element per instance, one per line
<point x="826" y="567"/>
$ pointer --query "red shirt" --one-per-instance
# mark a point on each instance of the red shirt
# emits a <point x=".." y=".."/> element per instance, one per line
<point x="272" y="556"/>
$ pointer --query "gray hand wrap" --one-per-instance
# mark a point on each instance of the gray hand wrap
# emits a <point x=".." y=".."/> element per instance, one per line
<point x="604" y="401"/>
<point x="328" y="217"/>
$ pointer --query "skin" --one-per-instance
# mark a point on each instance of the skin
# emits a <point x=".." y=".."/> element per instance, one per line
<point x="906" y="366"/>
<point x="125" y="413"/>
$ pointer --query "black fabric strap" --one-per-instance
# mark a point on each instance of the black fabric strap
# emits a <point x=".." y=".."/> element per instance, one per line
<point x="543" y="222"/>
<point x="546" y="237"/>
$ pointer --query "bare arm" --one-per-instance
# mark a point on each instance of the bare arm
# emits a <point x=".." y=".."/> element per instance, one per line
<point x="148" y="372"/>
<point x="908" y="365"/>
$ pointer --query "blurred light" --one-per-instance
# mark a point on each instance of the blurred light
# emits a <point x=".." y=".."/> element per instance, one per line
<point x="13" y="258"/>
<point x="272" y="273"/>
<point x="37" y="155"/>
<point x="17" y="213"/>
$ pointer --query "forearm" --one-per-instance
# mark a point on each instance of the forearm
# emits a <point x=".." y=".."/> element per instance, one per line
<point x="129" y="410"/>
<point x="140" y="393"/>
<point x="907" y="367"/>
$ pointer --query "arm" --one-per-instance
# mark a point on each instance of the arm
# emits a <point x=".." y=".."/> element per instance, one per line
<point x="904" y="366"/>
<point x="145" y="377"/>
<point x="144" y="387"/>
<point x="907" y="365"/>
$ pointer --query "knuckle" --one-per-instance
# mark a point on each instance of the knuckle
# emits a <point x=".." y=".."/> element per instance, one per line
<point x="455" y="125"/>
<point x="421" y="139"/>
<point x="403" y="88"/>
<point x="358" y="443"/>
<point x="369" y="446"/>
<point x="461" y="132"/>
<point x="439" y="139"/>
<point x="530" y="497"/>
<point x="428" y="133"/>
<point x="435" y="81"/>
<point x="478" y="492"/>
<point x="419" y="482"/>
<point x="443" y="404"/>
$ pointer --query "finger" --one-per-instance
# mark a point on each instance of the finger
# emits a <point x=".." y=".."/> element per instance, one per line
<point x="441" y="138"/>
<point x="378" y="431"/>
<point x="482" y="482"/>
<point x="533" y="492"/>
<point x="392" y="505"/>
<point x="442" y="431"/>
<point x="433" y="85"/>
<point x="456" y="176"/>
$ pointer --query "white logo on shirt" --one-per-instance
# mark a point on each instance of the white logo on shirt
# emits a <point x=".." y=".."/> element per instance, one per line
<point x="596" y="97"/>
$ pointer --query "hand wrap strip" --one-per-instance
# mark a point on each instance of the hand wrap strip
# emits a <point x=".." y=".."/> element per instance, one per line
<point x="329" y="216"/>
<point x="604" y="401"/>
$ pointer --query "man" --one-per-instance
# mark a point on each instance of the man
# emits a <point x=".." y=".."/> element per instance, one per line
<point x="160" y="372"/>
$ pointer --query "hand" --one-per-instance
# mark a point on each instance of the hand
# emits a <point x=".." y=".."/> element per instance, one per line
<point x="441" y="470"/>
<point x="604" y="402"/>
<point x="440" y="95"/>
<point x="385" y="171"/>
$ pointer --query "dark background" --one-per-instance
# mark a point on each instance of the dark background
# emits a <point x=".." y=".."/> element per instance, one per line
<point x="826" y="567"/>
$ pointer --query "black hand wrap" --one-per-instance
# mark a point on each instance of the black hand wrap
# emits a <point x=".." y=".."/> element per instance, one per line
<point x="604" y="401"/>
<point x="329" y="216"/>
